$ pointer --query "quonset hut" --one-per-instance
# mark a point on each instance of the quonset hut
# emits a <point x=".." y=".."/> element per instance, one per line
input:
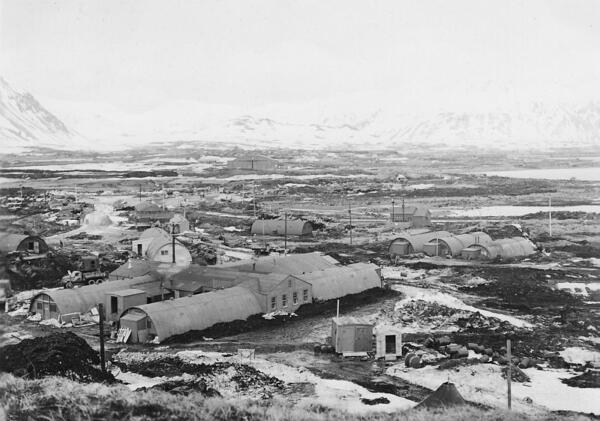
<point x="505" y="248"/>
<point x="293" y="227"/>
<point x="198" y="312"/>
<point x="291" y="264"/>
<point x="454" y="245"/>
<point x="22" y="242"/>
<point x="413" y="243"/>
<point x="57" y="304"/>
<point x="343" y="280"/>
<point x="157" y="245"/>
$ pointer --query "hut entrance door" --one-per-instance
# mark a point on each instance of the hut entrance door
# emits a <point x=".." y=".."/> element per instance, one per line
<point x="390" y="344"/>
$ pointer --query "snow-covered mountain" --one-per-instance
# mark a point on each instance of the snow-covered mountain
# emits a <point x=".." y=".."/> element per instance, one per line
<point x="366" y="121"/>
<point x="24" y="122"/>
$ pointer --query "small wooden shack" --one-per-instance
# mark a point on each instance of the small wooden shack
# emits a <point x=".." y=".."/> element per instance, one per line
<point x="388" y="342"/>
<point x="116" y="302"/>
<point x="351" y="335"/>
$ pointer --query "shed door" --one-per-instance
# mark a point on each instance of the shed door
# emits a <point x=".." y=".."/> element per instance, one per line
<point x="390" y="344"/>
<point x="139" y="249"/>
<point x="363" y="340"/>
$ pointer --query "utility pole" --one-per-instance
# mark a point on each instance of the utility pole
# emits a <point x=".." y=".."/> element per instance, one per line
<point x="285" y="232"/>
<point x="393" y="217"/>
<point x="550" y="215"/>
<point x="350" y="217"/>
<point x="140" y="193"/>
<point x="173" y="237"/>
<point x="254" y="198"/>
<point x="101" y="323"/>
<point x="508" y="372"/>
<point x="403" y="220"/>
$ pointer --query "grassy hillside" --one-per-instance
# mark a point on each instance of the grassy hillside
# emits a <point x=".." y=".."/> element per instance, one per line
<point x="60" y="399"/>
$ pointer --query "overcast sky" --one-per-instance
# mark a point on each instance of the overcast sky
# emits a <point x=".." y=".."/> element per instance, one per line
<point x="139" y="54"/>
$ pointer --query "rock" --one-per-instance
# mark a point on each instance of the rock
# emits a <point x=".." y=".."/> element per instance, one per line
<point x="525" y="363"/>
<point x="408" y="357"/>
<point x="472" y="346"/>
<point x="488" y="351"/>
<point x="517" y="375"/>
<point x="415" y="362"/>
<point x="444" y="340"/>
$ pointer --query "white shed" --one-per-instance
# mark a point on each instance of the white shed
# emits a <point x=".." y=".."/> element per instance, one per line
<point x="388" y="342"/>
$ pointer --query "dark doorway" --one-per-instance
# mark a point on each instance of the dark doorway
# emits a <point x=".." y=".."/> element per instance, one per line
<point x="139" y="251"/>
<point x="390" y="344"/>
<point x="114" y="307"/>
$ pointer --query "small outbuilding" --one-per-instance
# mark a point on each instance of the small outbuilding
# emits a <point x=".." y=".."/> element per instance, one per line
<point x="279" y="227"/>
<point x="116" y="302"/>
<point x="419" y="216"/>
<point x="21" y="242"/>
<point x="351" y="335"/>
<point x="408" y="243"/>
<point x="388" y="342"/>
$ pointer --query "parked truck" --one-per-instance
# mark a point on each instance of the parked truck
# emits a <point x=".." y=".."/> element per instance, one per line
<point x="89" y="274"/>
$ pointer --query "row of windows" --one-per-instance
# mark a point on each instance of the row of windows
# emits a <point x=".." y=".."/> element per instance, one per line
<point x="284" y="299"/>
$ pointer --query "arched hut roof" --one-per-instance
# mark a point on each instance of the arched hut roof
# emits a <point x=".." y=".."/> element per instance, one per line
<point x="83" y="299"/>
<point x="417" y="241"/>
<point x="278" y="227"/>
<point x="199" y="312"/>
<point x="344" y="280"/>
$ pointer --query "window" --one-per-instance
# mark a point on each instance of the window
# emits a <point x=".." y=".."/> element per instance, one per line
<point x="164" y="252"/>
<point x="114" y="307"/>
<point x="289" y="283"/>
<point x="284" y="300"/>
<point x="40" y="306"/>
<point x="273" y="303"/>
<point x="295" y="297"/>
<point x="30" y="245"/>
<point x="53" y="308"/>
<point x="305" y="295"/>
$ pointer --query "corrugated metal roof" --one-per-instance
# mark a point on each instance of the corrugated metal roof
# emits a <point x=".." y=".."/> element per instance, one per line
<point x="457" y="243"/>
<point x="291" y="264"/>
<point x="278" y="227"/>
<point x="81" y="300"/>
<point x="126" y="292"/>
<point x="507" y="248"/>
<point x="418" y="240"/>
<point x="264" y="284"/>
<point x="195" y="277"/>
<point x="198" y="312"/>
<point x="349" y="320"/>
<point x="10" y="242"/>
<point x="155" y="233"/>
<point x="147" y="207"/>
<point x="133" y="268"/>
<point x="344" y="280"/>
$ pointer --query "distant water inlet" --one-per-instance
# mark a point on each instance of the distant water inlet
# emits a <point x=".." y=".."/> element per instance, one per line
<point x="584" y="174"/>
<point x="514" y="211"/>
